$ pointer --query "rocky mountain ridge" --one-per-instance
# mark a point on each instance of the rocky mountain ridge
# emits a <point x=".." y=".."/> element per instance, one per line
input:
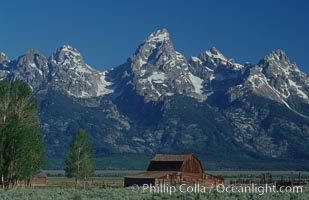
<point x="156" y="70"/>
<point x="158" y="100"/>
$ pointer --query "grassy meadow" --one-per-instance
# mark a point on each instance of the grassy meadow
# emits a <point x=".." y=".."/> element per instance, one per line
<point x="108" y="184"/>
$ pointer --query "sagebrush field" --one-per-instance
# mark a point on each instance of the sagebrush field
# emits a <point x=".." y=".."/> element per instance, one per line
<point x="109" y="185"/>
<point x="128" y="194"/>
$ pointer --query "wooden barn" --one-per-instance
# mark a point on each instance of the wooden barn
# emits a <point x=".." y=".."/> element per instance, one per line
<point x="39" y="180"/>
<point x="173" y="169"/>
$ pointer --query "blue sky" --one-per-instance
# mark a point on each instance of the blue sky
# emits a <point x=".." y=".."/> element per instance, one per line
<point x="106" y="32"/>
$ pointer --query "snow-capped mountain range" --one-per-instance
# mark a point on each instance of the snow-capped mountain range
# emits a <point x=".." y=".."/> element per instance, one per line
<point x="65" y="70"/>
<point x="138" y="101"/>
<point x="156" y="70"/>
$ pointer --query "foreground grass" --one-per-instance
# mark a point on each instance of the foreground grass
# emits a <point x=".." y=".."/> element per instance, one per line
<point x="128" y="194"/>
<point x="99" y="182"/>
<point x="109" y="185"/>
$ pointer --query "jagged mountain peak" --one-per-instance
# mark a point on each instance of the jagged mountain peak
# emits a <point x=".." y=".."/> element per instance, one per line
<point x="156" y="49"/>
<point x="68" y="48"/>
<point x="4" y="69"/>
<point x="32" y="68"/>
<point x="156" y="70"/>
<point x="70" y="73"/>
<point x="3" y="57"/>
<point x="213" y="58"/>
<point x="157" y="40"/>
<point x="276" y="78"/>
<point x="33" y="59"/>
<point x="278" y="63"/>
<point x="158" y="36"/>
<point x="33" y="52"/>
<point x="67" y="54"/>
<point x="69" y="58"/>
<point x="277" y="56"/>
<point x="212" y="53"/>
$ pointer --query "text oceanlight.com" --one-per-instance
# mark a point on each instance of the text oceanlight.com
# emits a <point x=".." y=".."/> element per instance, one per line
<point x="220" y="188"/>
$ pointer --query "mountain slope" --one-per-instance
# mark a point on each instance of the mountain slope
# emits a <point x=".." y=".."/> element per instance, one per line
<point x="158" y="101"/>
<point x="156" y="70"/>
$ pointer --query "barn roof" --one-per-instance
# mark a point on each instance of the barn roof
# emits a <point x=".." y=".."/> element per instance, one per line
<point x="151" y="174"/>
<point x="169" y="166"/>
<point x="159" y="174"/>
<point x="41" y="175"/>
<point x="169" y="162"/>
<point x="165" y="166"/>
<point x="170" y="157"/>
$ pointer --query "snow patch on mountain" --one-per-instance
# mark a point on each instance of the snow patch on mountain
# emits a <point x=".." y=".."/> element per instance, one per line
<point x="196" y="59"/>
<point x="214" y="53"/>
<point x="103" y="85"/>
<point x="261" y="86"/>
<point x="157" y="77"/>
<point x="197" y="83"/>
<point x="78" y="79"/>
<point x="296" y="87"/>
<point x="158" y="36"/>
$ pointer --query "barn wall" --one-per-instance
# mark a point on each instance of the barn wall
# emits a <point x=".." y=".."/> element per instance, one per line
<point x="174" y="170"/>
<point x="192" y="165"/>
<point x="39" y="181"/>
<point x="214" y="179"/>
